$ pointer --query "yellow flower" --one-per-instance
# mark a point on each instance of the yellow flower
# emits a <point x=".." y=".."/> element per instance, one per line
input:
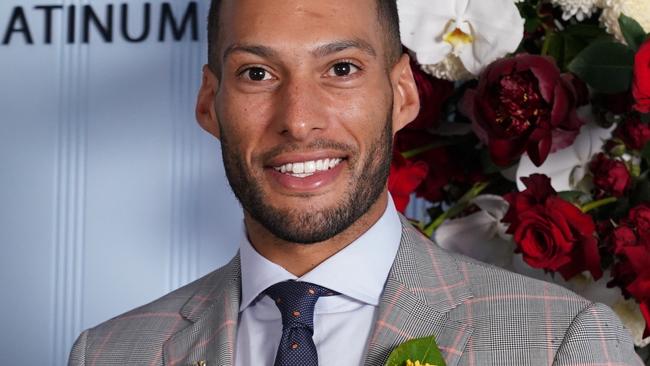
<point x="417" y="363"/>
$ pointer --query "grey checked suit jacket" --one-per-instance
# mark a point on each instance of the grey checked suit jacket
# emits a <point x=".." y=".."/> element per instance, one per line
<point x="480" y="315"/>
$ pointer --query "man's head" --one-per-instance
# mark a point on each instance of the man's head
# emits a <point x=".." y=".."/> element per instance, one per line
<point x="385" y="10"/>
<point x="305" y="98"/>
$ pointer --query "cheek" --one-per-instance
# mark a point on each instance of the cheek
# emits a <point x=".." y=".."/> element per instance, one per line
<point x="362" y="115"/>
<point x="244" y="121"/>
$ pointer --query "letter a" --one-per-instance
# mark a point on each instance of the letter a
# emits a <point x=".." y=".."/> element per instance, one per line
<point x="18" y="24"/>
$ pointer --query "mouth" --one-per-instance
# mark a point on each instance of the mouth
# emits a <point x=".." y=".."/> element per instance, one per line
<point x="304" y="169"/>
<point x="306" y="173"/>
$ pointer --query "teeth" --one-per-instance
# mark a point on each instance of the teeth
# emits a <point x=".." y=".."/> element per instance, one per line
<point x="310" y="167"/>
<point x="298" y="168"/>
<point x="307" y="168"/>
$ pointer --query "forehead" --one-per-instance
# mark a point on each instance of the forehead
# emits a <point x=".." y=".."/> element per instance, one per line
<point x="291" y="24"/>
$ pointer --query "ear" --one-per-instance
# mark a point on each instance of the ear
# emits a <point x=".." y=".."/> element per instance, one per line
<point x="206" y="113"/>
<point x="406" y="100"/>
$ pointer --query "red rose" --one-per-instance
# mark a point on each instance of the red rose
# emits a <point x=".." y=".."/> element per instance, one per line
<point x="405" y="176"/>
<point x="639" y="218"/>
<point x="520" y="103"/>
<point x="433" y="93"/>
<point x="447" y="166"/>
<point x="622" y="237"/>
<point x="630" y="241"/>
<point x="634" y="133"/>
<point x="632" y="274"/>
<point x="641" y="85"/>
<point x="632" y="232"/>
<point x="551" y="233"/>
<point x="611" y="177"/>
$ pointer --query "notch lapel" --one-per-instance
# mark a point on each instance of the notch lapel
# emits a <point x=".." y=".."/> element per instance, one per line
<point x="213" y="311"/>
<point x="423" y="285"/>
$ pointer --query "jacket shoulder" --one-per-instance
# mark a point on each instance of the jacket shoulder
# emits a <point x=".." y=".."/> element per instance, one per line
<point x="137" y="336"/>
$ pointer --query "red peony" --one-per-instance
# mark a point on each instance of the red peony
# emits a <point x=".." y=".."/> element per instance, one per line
<point x="433" y="93"/>
<point x="519" y="105"/>
<point x="405" y="176"/>
<point x="641" y="85"/>
<point x="634" y="133"/>
<point x="611" y="177"/>
<point x="551" y="233"/>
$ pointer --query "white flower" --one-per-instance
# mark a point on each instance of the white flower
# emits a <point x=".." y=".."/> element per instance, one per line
<point x="638" y="10"/>
<point x="580" y="9"/>
<point x="456" y="39"/>
<point x="480" y="235"/>
<point x="568" y="167"/>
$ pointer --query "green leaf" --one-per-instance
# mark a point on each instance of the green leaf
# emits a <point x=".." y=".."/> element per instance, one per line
<point x="606" y="66"/>
<point x="645" y="117"/>
<point x="632" y="31"/>
<point x="553" y="46"/>
<point x="424" y="350"/>
<point x="641" y="192"/>
<point x="487" y="163"/>
<point x="565" y="45"/>
<point x="571" y="196"/>
<point x="645" y="153"/>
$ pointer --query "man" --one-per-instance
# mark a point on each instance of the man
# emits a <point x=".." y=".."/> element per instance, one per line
<point x="305" y="97"/>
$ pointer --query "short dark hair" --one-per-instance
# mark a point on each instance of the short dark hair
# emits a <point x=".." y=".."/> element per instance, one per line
<point x="386" y="14"/>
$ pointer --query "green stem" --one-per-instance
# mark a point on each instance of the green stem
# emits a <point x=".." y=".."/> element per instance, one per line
<point x="599" y="203"/>
<point x="417" y="151"/>
<point x="456" y="209"/>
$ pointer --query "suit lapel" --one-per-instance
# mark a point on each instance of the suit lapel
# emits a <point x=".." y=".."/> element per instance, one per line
<point x="423" y="285"/>
<point x="213" y="311"/>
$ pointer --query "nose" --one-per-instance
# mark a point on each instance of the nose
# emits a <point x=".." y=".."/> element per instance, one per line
<point x="301" y="110"/>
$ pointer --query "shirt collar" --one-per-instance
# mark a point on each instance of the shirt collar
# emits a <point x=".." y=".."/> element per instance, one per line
<point x="359" y="270"/>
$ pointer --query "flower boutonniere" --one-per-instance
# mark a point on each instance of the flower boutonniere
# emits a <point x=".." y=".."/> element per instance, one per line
<point x="417" y="352"/>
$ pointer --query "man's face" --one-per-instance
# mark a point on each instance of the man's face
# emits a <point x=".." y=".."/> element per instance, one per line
<point x="304" y="108"/>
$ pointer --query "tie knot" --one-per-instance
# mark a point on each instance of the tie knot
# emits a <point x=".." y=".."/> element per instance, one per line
<point x="296" y="301"/>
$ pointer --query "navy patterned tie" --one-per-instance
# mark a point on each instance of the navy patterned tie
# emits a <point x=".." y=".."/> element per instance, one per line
<point x="296" y="301"/>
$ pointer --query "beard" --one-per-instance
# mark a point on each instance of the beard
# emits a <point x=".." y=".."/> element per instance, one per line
<point x="304" y="225"/>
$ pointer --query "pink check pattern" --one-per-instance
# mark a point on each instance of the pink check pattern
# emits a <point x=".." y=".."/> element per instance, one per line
<point x="479" y="314"/>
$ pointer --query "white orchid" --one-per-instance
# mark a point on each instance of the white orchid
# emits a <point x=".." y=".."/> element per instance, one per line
<point x="568" y="167"/>
<point x="480" y="235"/>
<point x="456" y="39"/>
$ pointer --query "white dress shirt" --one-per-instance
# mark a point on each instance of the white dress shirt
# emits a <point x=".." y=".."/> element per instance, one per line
<point x="342" y="324"/>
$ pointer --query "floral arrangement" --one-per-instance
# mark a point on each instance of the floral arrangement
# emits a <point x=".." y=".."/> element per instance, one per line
<point x="532" y="146"/>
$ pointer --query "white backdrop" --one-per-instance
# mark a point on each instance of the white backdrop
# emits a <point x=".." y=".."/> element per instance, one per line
<point x="110" y="193"/>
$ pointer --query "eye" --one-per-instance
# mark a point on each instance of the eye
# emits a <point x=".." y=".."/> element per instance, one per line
<point x="343" y="69"/>
<point x="256" y="74"/>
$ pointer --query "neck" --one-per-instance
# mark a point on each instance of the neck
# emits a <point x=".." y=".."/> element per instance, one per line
<point x="298" y="258"/>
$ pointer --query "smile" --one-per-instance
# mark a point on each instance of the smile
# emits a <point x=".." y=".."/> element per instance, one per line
<point x="307" y="168"/>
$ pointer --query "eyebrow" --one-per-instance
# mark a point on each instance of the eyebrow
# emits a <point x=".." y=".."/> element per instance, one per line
<point x="320" y="51"/>
<point x="338" y="46"/>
